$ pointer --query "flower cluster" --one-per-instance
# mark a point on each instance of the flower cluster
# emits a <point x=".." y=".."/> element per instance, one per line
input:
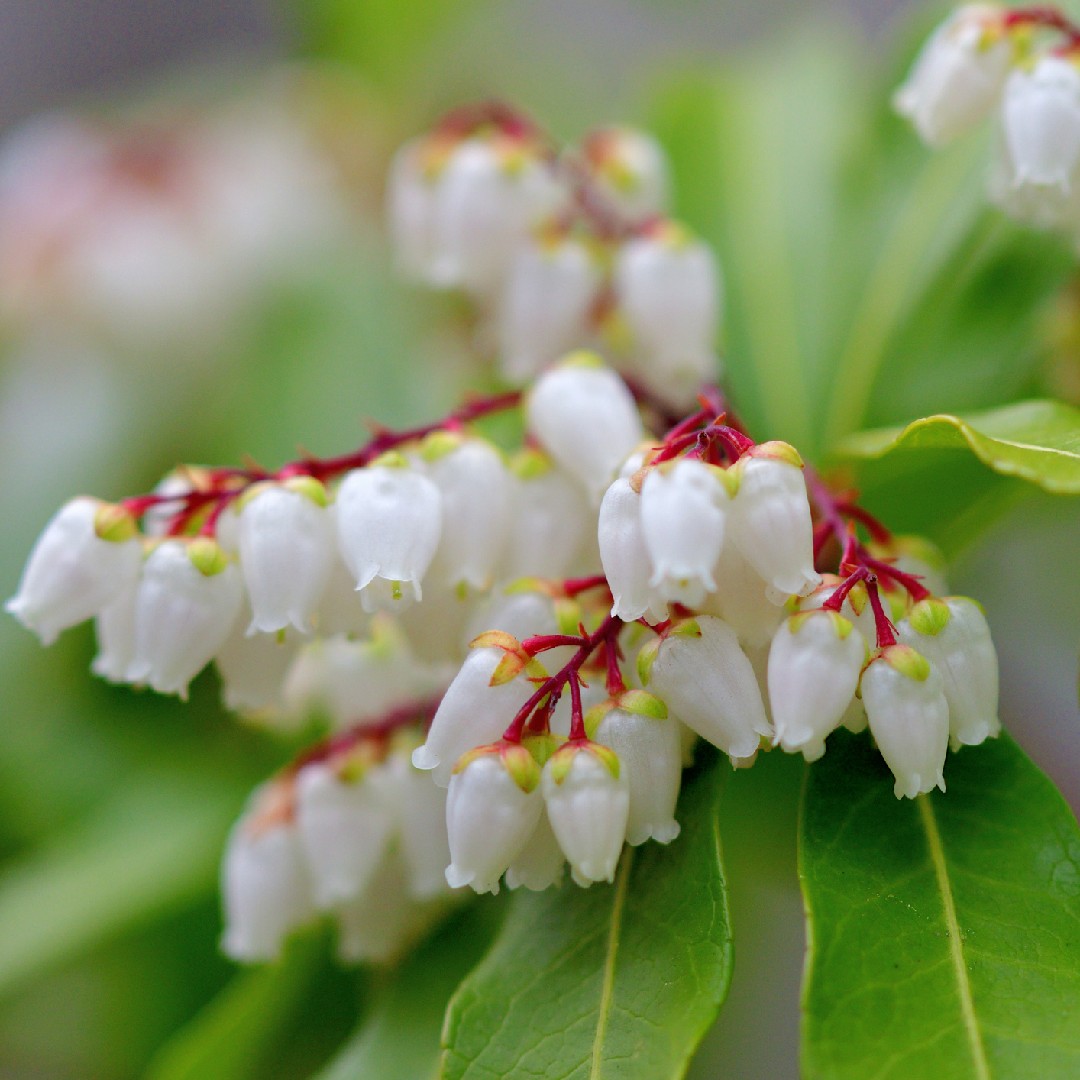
<point x="559" y="249"/>
<point x="1024" y="65"/>
<point x="546" y="634"/>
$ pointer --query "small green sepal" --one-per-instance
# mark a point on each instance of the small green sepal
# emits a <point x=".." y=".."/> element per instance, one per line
<point x="523" y="768"/>
<point x="207" y="556"/>
<point x="907" y="661"/>
<point x="310" y="488"/>
<point x="642" y="703"/>
<point x="114" y="523"/>
<point x="777" y="451"/>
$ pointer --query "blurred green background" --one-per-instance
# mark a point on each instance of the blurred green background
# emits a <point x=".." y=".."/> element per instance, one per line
<point x="114" y="805"/>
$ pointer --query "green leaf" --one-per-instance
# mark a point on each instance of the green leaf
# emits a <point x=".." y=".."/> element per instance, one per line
<point x="229" y="1039"/>
<point x="1037" y="441"/>
<point x="151" y="849"/>
<point x="399" y="1040"/>
<point x="617" y="981"/>
<point x="944" y="932"/>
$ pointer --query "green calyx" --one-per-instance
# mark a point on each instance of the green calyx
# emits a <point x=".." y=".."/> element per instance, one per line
<point x="777" y="451"/>
<point x="561" y="761"/>
<point x="114" y="523"/>
<point x="392" y="459"/>
<point x="310" y="488"/>
<point x="541" y="747"/>
<point x="440" y="443"/>
<point x="582" y="358"/>
<point x="522" y="766"/>
<point x="207" y="556"/>
<point x="642" y="703"/>
<point x="907" y="661"/>
<point x="841" y="625"/>
<point x="930" y="616"/>
<point x="530" y="464"/>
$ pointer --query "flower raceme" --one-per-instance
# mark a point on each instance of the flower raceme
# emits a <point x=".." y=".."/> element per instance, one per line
<point x="512" y="654"/>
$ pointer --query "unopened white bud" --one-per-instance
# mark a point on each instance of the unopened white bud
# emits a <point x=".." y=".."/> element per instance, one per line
<point x="682" y="518"/>
<point x="344" y="827"/>
<point x="540" y="863"/>
<point x="953" y="634"/>
<point x="544" y="311"/>
<point x="492" y="808"/>
<point x="475" y="487"/>
<point x="708" y="682"/>
<point x="649" y="746"/>
<point x="388" y="520"/>
<point x="909" y="718"/>
<point x="625" y="556"/>
<point x="588" y="803"/>
<point x="76" y="568"/>
<point x="286" y="540"/>
<point x="770" y="520"/>
<point x="957" y="77"/>
<point x="188" y="599"/>
<point x="814" y="665"/>
<point x="630" y="169"/>
<point x="668" y="290"/>
<point x="585" y="417"/>
<point x="1041" y="123"/>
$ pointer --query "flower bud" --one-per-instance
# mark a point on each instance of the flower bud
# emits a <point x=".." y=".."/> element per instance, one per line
<point x="668" y="291"/>
<point x="388" y="519"/>
<point x="953" y="635"/>
<point x="814" y="665"/>
<point x="344" y="827"/>
<point x="909" y="718"/>
<point x="539" y="864"/>
<point x="1041" y="123"/>
<point x="188" y="598"/>
<point x="286" y="540"/>
<point x="958" y="75"/>
<point x="708" y="682"/>
<point x="588" y="802"/>
<point x="770" y="520"/>
<point x="544" y="310"/>
<point x="74" y="571"/>
<point x="649" y="747"/>
<point x="625" y="557"/>
<point x="585" y="417"/>
<point x="682" y="519"/>
<point x="474" y="487"/>
<point x="114" y="628"/>
<point x="630" y="169"/>
<point x="492" y="807"/>
<point x="741" y="600"/>
<point x="476" y="708"/>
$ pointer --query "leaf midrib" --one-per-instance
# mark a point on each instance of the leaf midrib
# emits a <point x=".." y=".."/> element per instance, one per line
<point x="952" y="929"/>
<point x="607" y="985"/>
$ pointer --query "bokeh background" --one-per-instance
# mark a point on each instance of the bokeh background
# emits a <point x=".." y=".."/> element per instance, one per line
<point x="114" y="805"/>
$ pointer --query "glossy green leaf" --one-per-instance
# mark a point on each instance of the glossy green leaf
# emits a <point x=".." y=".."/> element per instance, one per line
<point x="399" y="1040"/>
<point x="944" y="932"/>
<point x="616" y="981"/>
<point x="1037" y="441"/>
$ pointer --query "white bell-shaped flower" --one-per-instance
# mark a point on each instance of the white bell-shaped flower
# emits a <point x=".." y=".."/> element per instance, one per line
<point x="649" y="746"/>
<point x="630" y="169"/>
<point x="487" y="197"/>
<point x="266" y="890"/>
<point x="814" y="665"/>
<point x="549" y="520"/>
<point x="85" y="558"/>
<point x="957" y="77"/>
<point x="953" y="635"/>
<point x="475" y="490"/>
<point x="410" y="197"/>
<point x="253" y="672"/>
<point x="770" y="520"/>
<point x="584" y="416"/>
<point x="287" y="550"/>
<point x="855" y="608"/>
<point x="518" y="611"/>
<point x="741" y="599"/>
<point x="420" y="815"/>
<point x="699" y="671"/>
<point x="908" y="716"/>
<point x="341" y="610"/>
<point x="492" y="808"/>
<point x="668" y="290"/>
<point x="682" y="519"/>
<point x="345" y="828"/>
<point x="114" y="628"/>
<point x="188" y="599"/>
<point x="1041" y="123"/>
<point x="476" y="708"/>
<point x="540" y="863"/>
<point x="543" y="312"/>
<point x="389" y="518"/>
<point x="587" y="795"/>
<point x="625" y="556"/>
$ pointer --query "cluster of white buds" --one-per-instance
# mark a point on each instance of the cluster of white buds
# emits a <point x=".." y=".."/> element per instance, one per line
<point x="561" y="251"/>
<point x="1025" y="64"/>
<point x="354" y="833"/>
